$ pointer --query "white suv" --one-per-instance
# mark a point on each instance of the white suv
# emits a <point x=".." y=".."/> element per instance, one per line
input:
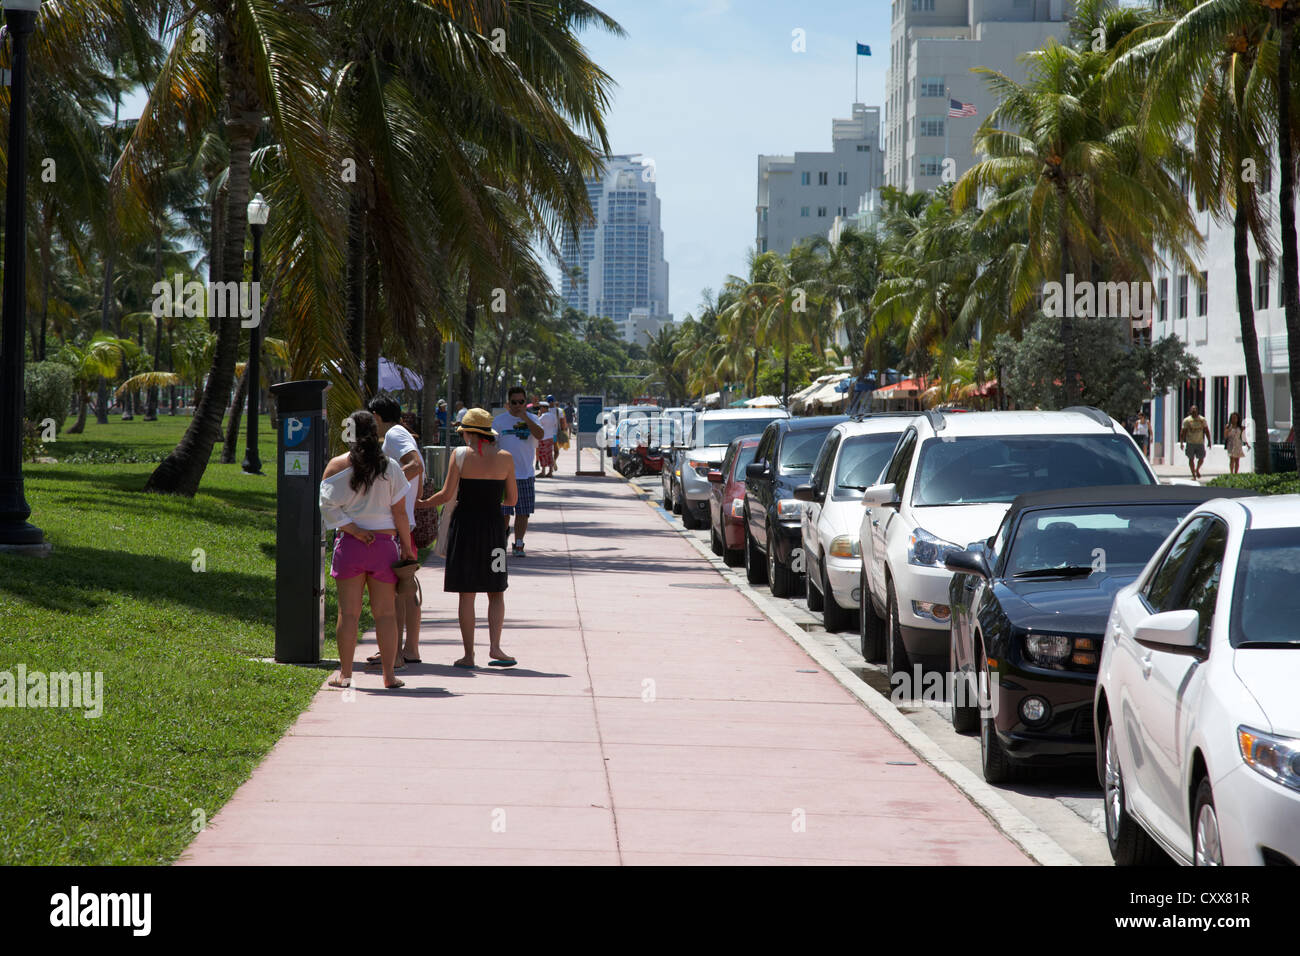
<point x="686" y="482"/>
<point x="1197" y="712"/>
<point x="851" y="459"/>
<point x="949" y="482"/>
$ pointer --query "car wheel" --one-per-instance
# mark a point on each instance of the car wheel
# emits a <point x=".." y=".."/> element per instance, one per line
<point x="1207" y="848"/>
<point x="871" y="629"/>
<point x="779" y="576"/>
<point x="834" y="617"/>
<point x="676" y="498"/>
<point x="714" y="541"/>
<point x="993" y="759"/>
<point x="665" y="499"/>
<point x="965" y="717"/>
<point x="755" y="566"/>
<point x="689" y="521"/>
<point x="816" y="599"/>
<point x="1129" y="844"/>
<point x="896" y="661"/>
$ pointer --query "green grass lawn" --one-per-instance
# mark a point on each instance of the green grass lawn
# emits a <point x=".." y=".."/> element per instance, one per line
<point x="187" y="711"/>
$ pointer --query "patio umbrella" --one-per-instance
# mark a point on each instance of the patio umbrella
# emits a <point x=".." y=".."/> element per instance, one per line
<point x="395" y="378"/>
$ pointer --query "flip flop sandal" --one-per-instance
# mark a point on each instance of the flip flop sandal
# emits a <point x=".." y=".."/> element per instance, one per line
<point x="341" y="684"/>
<point x="400" y="683"/>
<point x="468" y="667"/>
<point x="503" y="662"/>
<point x="412" y="660"/>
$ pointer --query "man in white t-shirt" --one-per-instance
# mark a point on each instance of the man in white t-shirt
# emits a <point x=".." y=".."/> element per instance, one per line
<point x="519" y="433"/>
<point x="400" y="445"/>
<point x="550" y="421"/>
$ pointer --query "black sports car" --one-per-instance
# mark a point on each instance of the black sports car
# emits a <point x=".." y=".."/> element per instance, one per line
<point x="1029" y="610"/>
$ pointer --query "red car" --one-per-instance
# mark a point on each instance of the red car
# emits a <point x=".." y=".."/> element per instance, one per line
<point x="727" y="500"/>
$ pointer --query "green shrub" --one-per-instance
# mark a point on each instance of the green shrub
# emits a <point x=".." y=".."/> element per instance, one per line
<point x="32" y="447"/>
<point x="1287" y="483"/>
<point x="48" y="388"/>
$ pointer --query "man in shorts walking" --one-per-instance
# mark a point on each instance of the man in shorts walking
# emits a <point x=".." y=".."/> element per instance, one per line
<point x="550" y="419"/>
<point x="519" y="431"/>
<point x="400" y="445"/>
<point x="1191" y="435"/>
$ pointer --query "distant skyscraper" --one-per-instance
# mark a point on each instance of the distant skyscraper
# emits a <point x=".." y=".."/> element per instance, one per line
<point x="615" y="267"/>
<point x="934" y="102"/>
<point x="800" y="196"/>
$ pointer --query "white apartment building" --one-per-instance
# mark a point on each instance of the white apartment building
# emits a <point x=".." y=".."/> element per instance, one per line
<point x="934" y="44"/>
<point x="800" y="196"/>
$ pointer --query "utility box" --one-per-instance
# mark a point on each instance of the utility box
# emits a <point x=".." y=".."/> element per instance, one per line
<point x="302" y="450"/>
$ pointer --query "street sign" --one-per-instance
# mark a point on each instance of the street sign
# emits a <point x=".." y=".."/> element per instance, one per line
<point x="589" y="425"/>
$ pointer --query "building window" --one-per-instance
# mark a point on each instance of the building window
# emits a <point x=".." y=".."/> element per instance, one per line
<point x="823" y="178"/>
<point x="929" y="126"/>
<point x="805" y="179"/>
<point x="1182" y="296"/>
<point x="1203" y="298"/>
<point x="843" y="211"/>
<point x="821" y="212"/>
<point x="923" y="6"/>
<point x="929" y="165"/>
<point x="803" y="211"/>
<point x="1164" y="299"/>
<point x="1219" y="416"/>
<point x="841" y="179"/>
<point x="1261" y="284"/>
<point x="931" y="86"/>
<point x="864" y="147"/>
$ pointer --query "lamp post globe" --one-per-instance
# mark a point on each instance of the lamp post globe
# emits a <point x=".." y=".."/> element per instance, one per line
<point x="259" y="211"/>
<point x="17" y="535"/>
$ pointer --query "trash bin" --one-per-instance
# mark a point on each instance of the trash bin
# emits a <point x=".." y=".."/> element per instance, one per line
<point x="1282" y="456"/>
<point x="302" y="446"/>
<point x="435" y="464"/>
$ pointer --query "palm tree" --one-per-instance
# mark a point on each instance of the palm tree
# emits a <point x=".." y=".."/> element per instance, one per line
<point x="98" y="359"/>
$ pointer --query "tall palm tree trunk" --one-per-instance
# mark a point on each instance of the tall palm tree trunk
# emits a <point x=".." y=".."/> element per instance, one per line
<point x="1067" y="324"/>
<point x="182" y="470"/>
<point x="1250" y="338"/>
<point x="356" y="285"/>
<point x="1286" y="199"/>
<point x="374" y="331"/>
<point x="101" y="401"/>
<point x="230" y="448"/>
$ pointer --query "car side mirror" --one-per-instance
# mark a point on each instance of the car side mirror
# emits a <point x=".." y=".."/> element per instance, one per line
<point x="968" y="562"/>
<point x="805" y="492"/>
<point x="715" y="476"/>
<point x="756" y="469"/>
<point x="878" y="496"/>
<point x="1169" y="630"/>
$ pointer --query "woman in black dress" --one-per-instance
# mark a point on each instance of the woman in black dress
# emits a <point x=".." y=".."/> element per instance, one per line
<point x="481" y="479"/>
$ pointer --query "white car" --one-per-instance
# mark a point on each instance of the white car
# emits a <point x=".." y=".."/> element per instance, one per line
<point x="1197" y="707"/>
<point x="686" y="481"/>
<point x="948" y="484"/>
<point x="850" y="461"/>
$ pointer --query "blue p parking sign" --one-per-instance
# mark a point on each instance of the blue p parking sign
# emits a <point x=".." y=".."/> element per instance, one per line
<point x="296" y="431"/>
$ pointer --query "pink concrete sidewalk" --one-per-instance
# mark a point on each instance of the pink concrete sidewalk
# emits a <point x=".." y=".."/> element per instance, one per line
<point x="655" y="717"/>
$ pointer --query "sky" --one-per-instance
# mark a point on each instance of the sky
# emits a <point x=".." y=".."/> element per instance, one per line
<point x="704" y="86"/>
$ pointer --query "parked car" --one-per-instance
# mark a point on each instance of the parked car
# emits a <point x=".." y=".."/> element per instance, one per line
<point x="1029" y="609"/>
<point x="784" y="458"/>
<point x="851" y="460"/>
<point x="727" y="500"/>
<point x="1197" y="710"/>
<point x="951" y="479"/>
<point x="686" y="483"/>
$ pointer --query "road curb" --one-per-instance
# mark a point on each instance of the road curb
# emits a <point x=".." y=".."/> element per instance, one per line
<point x="1017" y="827"/>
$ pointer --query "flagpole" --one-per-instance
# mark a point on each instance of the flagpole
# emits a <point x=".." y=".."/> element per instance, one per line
<point x="855" y="73"/>
<point x="947" y="121"/>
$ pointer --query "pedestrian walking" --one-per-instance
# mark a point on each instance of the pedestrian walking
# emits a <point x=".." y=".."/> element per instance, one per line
<point x="1142" y="433"/>
<point x="363" y="494"/>
<point x="1192" y="435"/>
<point x="1234" y="441"/>
<point x="400" y="444"/>
<point x="481" y="480"/>
<point x="460" y="412"/>
<point x="519" y="432"/>
<point x="550" y="422"/>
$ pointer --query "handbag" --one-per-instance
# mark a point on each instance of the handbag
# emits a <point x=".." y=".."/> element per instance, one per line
<point x="426" y="520"/>
<point x="444" y="520"/>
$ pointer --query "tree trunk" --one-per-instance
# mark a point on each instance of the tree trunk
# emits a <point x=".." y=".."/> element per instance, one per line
<point x="1067" y="324"/>
<point x="171" y="367"/>
<point x="374" y="332"/>
<point x="230" y="449"/>
<point x="101" y="405"/>
<point x="182" y="470"/>
<point x="80" y="425"/>
<point x="1250" y="338"/>
<point x="356" y="289"/>
<point x="471" y="330"/>
<point x="1286" y="199"/>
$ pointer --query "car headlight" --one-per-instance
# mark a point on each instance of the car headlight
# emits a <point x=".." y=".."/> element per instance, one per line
<point x="1048" y="648"/>
<point x="1277" y="758"/>
<point x="701" y="467"/>
<point x="789" y="509"/>
<point x="935" y="612"/>
<point x="846" y="546"/>
<point x="737" y="507"/>
<point x="925" y="550"/>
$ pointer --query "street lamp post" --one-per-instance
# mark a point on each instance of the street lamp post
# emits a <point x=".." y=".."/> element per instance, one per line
<point x="16" y="533"/>
<point x="259" y="210"/>
<point x="481" y="363"/>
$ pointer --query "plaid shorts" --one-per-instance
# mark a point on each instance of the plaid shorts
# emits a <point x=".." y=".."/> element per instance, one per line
<point x="527" y="498"/>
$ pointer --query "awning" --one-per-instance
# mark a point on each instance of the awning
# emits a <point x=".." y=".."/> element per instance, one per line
<point x="764" y="401"/>
<point x="833" y="392"/>
<point x="903" y="389"/>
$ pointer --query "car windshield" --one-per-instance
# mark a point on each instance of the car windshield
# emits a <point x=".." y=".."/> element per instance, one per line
<point x="1105" y="540"/>
<point x="862" y="458"/>
<point x="1266" y="601"/>
<point x="996" y="468"/>
<point x="799" y="451"/>
<point x="720" y="431"/>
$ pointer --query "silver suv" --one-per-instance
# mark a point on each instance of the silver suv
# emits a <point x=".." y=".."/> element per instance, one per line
<point x="686" y="474"/>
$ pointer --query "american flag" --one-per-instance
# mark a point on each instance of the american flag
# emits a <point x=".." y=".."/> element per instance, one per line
<point x="958" y="110"/>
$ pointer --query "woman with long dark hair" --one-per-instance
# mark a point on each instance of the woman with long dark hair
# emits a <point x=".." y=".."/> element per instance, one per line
<point x="363" y="494"/>
<point x="481" y="479"/>
<point x="1234" y="441"/>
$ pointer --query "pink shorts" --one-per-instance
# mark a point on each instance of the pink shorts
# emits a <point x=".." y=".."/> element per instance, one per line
<point x="376" y="559"/>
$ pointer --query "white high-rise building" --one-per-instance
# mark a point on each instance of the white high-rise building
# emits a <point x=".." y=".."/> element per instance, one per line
<point x="934" y="44"/>
<point x="615" y="267"/>
<point x="800" y="196"/>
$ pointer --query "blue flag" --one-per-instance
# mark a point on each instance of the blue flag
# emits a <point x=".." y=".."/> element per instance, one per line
<point x="864" y="50"/>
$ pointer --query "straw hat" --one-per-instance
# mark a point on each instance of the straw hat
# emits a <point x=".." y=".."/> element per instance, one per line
<point x="479" y="421"/>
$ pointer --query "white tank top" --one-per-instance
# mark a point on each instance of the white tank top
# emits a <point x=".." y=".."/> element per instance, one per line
<point x="371" y="510"/>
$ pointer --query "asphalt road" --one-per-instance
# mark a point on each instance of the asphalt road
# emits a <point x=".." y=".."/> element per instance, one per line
<point x="1067" y="806"/>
